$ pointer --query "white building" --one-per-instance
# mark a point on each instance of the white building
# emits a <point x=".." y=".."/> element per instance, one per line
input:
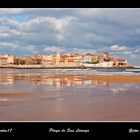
<point x="6" y="59"/>
<point x="10" y="59"/>
<point x="87" y="58"/>
<point x="103" y="64"/>
<point x="3" y="60"/>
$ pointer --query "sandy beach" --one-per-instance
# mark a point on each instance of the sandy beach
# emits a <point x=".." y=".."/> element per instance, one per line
<point x="117" y="78"/>
<point x="69" y="97"/>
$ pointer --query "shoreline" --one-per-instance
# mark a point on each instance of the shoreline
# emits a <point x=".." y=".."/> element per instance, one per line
<point x="58" y="67"/>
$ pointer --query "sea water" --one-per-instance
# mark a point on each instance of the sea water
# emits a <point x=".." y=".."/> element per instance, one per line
<point x="102" y="71"/>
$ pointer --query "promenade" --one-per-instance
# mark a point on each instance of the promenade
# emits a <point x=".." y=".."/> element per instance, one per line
<point x="71" y="66"/>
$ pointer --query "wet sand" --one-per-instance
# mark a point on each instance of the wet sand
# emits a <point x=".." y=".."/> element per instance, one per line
<point x="15" y="94"/>
<point x="69" y="97"/>
<point x="117" y="78"/>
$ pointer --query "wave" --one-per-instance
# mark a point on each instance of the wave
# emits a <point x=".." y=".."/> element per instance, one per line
<point x="78" y="71"/>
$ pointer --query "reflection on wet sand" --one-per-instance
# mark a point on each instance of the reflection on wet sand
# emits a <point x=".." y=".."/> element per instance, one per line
<point x="49" y="80"/>
<point x="6" y="79"/>
<point x="14" y="94"/>
<point x="5" y="103"/>
<point x="68" y="97"/>
<point x="8" y="99"/>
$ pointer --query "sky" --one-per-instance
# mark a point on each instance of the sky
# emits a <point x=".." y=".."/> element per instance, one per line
<point x="30" y="31"/>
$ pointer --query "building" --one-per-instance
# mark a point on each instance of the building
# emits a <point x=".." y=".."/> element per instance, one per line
<point x="78" y="58"/>
<point x="3" y="60"/>
<point x="87" y="58"/>
<point x="10" y="59"/>
<point x="58" y="56"/>
<point x="95" y="57"/>
<point x="47" y="60"/>
<point x="100" y="58"/>
<point x="105" y="55"/>
<point x="120" y="61"/>
<point x="6" y="60"/>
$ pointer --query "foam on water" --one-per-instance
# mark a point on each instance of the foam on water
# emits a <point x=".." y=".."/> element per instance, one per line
<point x="78" y="71"/>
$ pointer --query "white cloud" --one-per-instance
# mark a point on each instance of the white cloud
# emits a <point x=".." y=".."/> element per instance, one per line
<point x="4" y="35"/>
<point x="53" y="48"/>
<point x="60" y="37"/>
<point x="75" y="30"/>
<point x="133" y="56"/>
<point x="127" y="52"/>
<point x="31" y="48"/>
<point x="82" y="51"/>
<point x="9" y="33"/>
<point x="11" y="10"/>
<point x="88" y="11"/>
<point x="39" y="23"/>
<point x="118" y="48"/>
<point x="137" y="51"/>
<point x="8" y="45"/>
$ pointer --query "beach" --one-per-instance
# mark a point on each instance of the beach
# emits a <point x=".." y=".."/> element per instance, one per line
<point x="69" y="97"/>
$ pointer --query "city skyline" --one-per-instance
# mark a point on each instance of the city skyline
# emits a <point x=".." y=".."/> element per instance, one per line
<point x="41" y="31"/>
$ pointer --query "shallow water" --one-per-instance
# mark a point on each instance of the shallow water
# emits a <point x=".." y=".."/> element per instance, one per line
<point x="61" y="97"/>
<point x="103" y="71"/>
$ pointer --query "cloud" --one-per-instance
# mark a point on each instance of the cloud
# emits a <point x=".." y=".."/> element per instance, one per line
<point x="11" y="10"/>
<point x="74" y="30"/>
<point x="89" y="11"/>
<point x="31" y="48"/>
<point x="118" y="48"/>
<point x="53" y="49"/>
<point x="127" y="52"/>
<point x="50" y="49"/>
<point x="8" y="45"/>
<point x="82" y="51"/>
<point x="51" y="22"/>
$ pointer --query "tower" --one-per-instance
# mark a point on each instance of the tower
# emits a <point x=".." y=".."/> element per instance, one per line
<point x="58" y="56"/>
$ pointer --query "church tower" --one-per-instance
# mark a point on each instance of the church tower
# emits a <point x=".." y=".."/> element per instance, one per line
<point x="58" y="55"/>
